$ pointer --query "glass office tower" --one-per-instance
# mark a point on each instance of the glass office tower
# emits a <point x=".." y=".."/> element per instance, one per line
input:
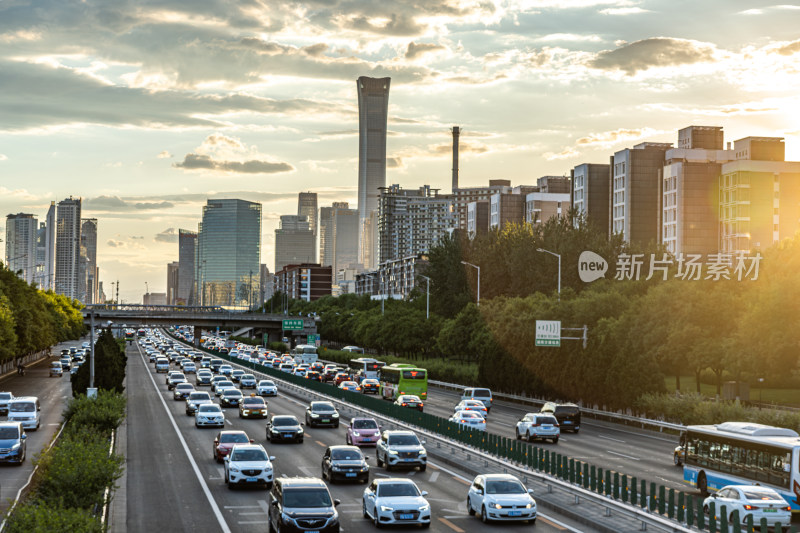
<point x="229" y="253"/>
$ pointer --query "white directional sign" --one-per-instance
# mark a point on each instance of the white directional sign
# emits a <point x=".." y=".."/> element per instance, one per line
<point x="548" y="333"/>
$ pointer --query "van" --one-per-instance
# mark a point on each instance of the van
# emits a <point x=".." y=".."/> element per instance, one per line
<point x="162" y="364"/>
<point x="484" y="395"/>
<point x="25" y="410"/>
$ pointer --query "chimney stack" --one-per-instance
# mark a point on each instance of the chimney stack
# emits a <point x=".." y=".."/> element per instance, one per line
<point x="456" y="132"/>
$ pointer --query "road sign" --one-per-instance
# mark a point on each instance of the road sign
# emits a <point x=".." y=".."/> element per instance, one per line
<point x="548" y="333"/>
<point x="314" y="339"/>
<point x="293" y="324"/>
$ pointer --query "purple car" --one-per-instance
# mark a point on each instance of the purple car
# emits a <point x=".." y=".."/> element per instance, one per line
<point x="363" y="431"/>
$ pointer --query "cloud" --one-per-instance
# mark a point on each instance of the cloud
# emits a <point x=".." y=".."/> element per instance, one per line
<point x="169" y="235"/>
<point x="115" y="244"/>
<point x="116" y="204"/>
<point x="604" y="140"/>
<point x="3" y="157"/>
<point x="221" y="153"/>
<point x="394" y="162"/>
<point x="415" y="50"/>
<point x="624" y="11"/>
<point x="401" y="24"/>
<point x="463" y="148"/>
<point x="655" y="52"/>
<point x="164" y="155"/>
<point x="789" y="49"/>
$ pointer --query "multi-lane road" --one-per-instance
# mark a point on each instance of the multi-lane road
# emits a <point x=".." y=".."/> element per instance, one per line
<point x="174" y="484"/>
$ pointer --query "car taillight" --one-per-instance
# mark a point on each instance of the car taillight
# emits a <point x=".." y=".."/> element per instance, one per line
<point x="420" y="404"/>
<point x="748" y="507"/>
<point x="403" y="404"/>
<point x="535" y="424"/>
<point x="401" y="392"/>
<point x="787" y="508"/>
<point x="463" y="421"/>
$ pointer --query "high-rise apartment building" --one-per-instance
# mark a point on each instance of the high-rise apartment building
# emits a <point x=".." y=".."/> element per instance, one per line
<point x="21" y="232"/>
<point x="229" y="253"/>
<point x="509" y="208"/>
<point x="307" y="206"/>
<point x="373" y="112"/>
<point x="187" y="285"/>
<point x="173" y="282"/>
<point x="412" y="221"/>
<point x="635" y="191"/>
<point x="68" y="247"/>
<point x="49" y="270"/>
<point x="463" y="196"/>
<point x="306" y="281"/>
<point x="542" y="206"/>
<point x="590" y="193"/>
<point x="477" y="218"/>
<point x="88" y="261"/>
<point x="338" y="236"/>
<point x="294" y="242"/>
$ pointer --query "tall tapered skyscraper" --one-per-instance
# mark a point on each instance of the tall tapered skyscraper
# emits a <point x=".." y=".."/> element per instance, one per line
<point x="373" y="110"/>
<point x="68" y="247"/>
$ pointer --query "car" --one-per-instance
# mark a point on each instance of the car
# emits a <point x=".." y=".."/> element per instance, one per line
<point x="175" y="378"/>
<point x="501" y="497"/>
<point x="209" y="415"/>
<point x="300" y="372"/>
<point x="538" y="426"/>
<point x="329" y="372"/>
<point x="567" y="414"/>
<point x="12" y="443"/>
<point x="363" y="431"/>
<point x="401" y="448"/>
<point x="469" y="419"/>
<point x="225" y="440"/>
<point x="237" y="374"/>
<point x="215" y="365"/>
<point x="284" y="428"/>
<point x="56" y="371"/>
<point x="66" y="363"/>
<point x="266" y="387"/>
<point x="286" y="367"/>
<point x="472" y="405"/>
<point x="65" y="351"/>
<point x="253" y="407"/>
<point x="352" y="386"/>
<point x="247" y="381"/>
<point x="190" y="368"/>
<point x="5" y="397"/>
<point x="152" y="355"/>
<point x="195" y="399"/>
<point x="219" y="386"/>
<point x="25" y="410"/>
<point x="370" y="386"/>
<point x="230" y="397"/>
<point x="340" y="377"/>
<point x="313" y="375"/>
<point x="226" y="370"/>
<point x="248" y="464"/>
<point x="205" y="362"/>
<point x="204" y="377"/>
<point x="162" y="365"/>
<point x="750" y="500"/>
<point x="353" y="349"/>
<point x="410" y="401"/>
<point x="300" y="505"/>
<point x="182" y="391"/>
<point x="322" y="414"/>
<point x="217" y="379"/>
<point x="344" y="463"/>
<point x="484" y="395"/>
<point x="395" y="501"/>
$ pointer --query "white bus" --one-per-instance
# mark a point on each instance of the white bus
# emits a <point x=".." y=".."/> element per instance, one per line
<point x="742" y="453"/>
<point x="366" y="366"/>
<point x="304" y="354"/>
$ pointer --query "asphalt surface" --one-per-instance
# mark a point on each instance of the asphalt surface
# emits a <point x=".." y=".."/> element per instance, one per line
<point x="173" y="483"/>
<point x="53" y="394"/>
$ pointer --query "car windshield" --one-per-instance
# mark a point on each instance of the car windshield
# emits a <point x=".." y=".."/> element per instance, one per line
<point x="482" y="393"/>
<point x="365" y="424"/>
<point x="567" y="410"/>
<point x="212" y="408"/>
<point x="265" y="383"/>
<point x="254" y="402"/>
<point x="199" y="396"/>
<point x="322" y="408"/>
<point x="305" y="498"/>
<point x="403" y="440"/>
<point x="249" y="455"/>
<point x="761" y="494"/>
<point x="391" y="490"/>
<point x="547" y="420"/>
<point x="9" y="433"/>
<point x="504" y="487"/>
<point x="284" y="421"/>
<point x="346" y="455"/>
<point x="232" y="393"/>
<point x="5" y="395"/>
<point x="184" y="386"/>
<point x="468" y="414"/>
<point x="248" y="376"/>
<point x="22" y="407"/>
<point x="409" y="399"/>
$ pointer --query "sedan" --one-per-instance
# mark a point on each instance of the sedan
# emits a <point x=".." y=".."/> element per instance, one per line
<point x="226" y="370"/>
<point x="472" y="405"/>
<point x="344" y="462"/>
<point x="760" y="502"/>
<point x="469" y="419"/>
<point x="12" y="442"/>
<point x="230" y="397"/>
<point x="196" y="399"/>
<point x="209" y="415"/>
<point x="173" y="380"/>
<point x="182" y="391"/>
<point x="352" y="386"/>
<point x="363" y="431"/>
<point x="248" y="464"/>
<point x="204" y="377"/>
<point x="322" y="414"/>
<point x="219" y="386"/>
<point x="410" y="401"/>
<point x="395" y="501"/>
<point x="266" y="387"/>
<point x="247" y="381"/>
<point x="236" y="375"/>
<point x="501" y="497"/>
<point x="370" y="386"/>
<point x="253" y="407"/>
<point x="538" y="426"/>
<point x="225" y="440"/>
<point x="190" y="368"/>
<point x="284" y="428"/>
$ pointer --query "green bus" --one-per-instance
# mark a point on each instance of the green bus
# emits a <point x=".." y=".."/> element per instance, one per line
<point x="399" y="379"/>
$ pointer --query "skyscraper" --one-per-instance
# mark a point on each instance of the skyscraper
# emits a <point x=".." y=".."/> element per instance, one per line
<point x="338" y="236"/>
<point x="49" y="262"/>
<point x="229" y="253"/>
<point x="187" y="242"/>
<point x="88" y="281"/>
<point x="173" y="282"/>
<point x="373" y="111"/>
<point x="307" y="206"/>
<point x="68" y="246"/>
<point x="21" y="230"/>
<point x="294" y="242"/>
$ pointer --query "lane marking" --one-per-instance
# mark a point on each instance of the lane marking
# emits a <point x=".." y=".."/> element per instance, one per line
<point x="259" y="513"/>
<point x="242" y="507"/>
<point x="451" y="525"/>
<point x="623" y="455"/>
<point x="433" y="477"/>
<point x="206" y="490"/>
<point x="611" y="438"/>
<point x="550" y="522"/>
<point x="321" y="443"/>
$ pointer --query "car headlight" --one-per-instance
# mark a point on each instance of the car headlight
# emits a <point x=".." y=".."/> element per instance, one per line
<point x="529" y="505"/>
<point x="234" y="469"/>
<point x="273" y="430"/>
<point x="392" y="452"/>
<point x="356" y="434"/>
<point x="314" y="415"/>
<point x="424" y="508"/>
<point x="497" y="506"/>
<point x="423" y="452"/>
<point x="301" y="430"/>
<point x="16" y="446"/>
<point x="335" y="415"/>
<point x="386" y="509"/>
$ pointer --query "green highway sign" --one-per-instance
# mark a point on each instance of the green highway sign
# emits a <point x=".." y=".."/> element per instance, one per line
<point x="548" y="333"/>
<point x="314" y="339"/>
<point x="293" y="324"/>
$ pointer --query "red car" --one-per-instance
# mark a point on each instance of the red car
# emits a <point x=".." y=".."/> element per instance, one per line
<point x="340" y="377"/>
<point x="225" y="440"/>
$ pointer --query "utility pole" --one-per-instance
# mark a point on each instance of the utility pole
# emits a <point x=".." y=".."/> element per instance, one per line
<point x="117" y="299"/>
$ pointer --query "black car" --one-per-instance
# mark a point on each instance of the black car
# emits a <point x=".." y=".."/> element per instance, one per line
<point x="567" y="414"/>
<point x="345" y="462"/>
<point x="284" y="428"/>
<point x="322" y="414"/>
<point x="302" y="504"/>
<point x="215" y="364"/>
<point x="230" y="398"/>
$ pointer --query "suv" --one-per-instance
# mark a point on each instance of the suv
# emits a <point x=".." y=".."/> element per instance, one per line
<point x="344" y="462"/>
<point x="322" y="414"/>
<point x="567" y="414"/>
<point x="12" y="442"/>
<point x="248" y="464"/>
<point x="484" y="395"/>
<point x="538" y="426"/>
<point x="301" y="504"/>
<point x="5" y="397"/>
<point x="401" y="448"/>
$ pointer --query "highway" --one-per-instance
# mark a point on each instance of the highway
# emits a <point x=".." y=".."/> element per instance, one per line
<point x="174" y="484"/>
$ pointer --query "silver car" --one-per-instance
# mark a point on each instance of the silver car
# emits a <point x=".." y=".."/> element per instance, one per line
<point x="501" y="497"/>
<point x="396" y="501"/>
<point x="401" y="449"/>
<point x="209" y="415"/>
<point x="541" y="426"/>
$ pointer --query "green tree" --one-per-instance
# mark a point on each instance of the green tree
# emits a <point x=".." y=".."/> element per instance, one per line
<point x="109" y="366"/>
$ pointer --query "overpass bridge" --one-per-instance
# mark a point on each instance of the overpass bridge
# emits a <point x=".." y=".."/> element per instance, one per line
<point x="201" y="317"/>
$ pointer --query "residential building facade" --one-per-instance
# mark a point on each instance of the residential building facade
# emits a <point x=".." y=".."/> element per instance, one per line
<point x="89" y="271"/>
<point x="590" y="193"/>
<point x="463" y="196"/>
<point x="21" y="237"/>
<point x="307" y="206"/>
<point x="306" y="281"/>
<point x="173" y="282"/>
<point x="68" y="247"/>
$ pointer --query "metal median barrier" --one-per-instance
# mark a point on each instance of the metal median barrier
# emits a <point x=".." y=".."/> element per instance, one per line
<point x="652" y="504"/>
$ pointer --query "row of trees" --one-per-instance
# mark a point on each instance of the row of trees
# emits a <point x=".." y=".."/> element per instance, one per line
<point x="32" y="320"/>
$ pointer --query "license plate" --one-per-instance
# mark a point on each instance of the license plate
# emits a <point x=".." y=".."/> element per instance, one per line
<point x="252" y="479"/>
<point x="326" y="421"/>
<point x="406" y="516"/>
<point x="514" y="513"/>
<point x="350" y="474"/>
<point x="770" y="510"/>
<point x="287" y="435"/>
<point x="567" y="422"/>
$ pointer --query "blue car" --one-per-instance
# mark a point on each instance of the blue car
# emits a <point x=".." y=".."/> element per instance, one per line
<point x="12" y="442"/>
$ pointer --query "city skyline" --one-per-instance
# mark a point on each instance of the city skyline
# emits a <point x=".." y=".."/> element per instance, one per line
<point x="145" y="128"/>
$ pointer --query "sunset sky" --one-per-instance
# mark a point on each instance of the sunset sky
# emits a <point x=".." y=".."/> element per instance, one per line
<point x="146" y="109"/>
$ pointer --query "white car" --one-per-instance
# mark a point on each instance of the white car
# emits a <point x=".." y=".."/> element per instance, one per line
<point x="542" y="426"/>
<point x="248" y="464"/>
<point x="760" y="502"/>
<point x="469" y="419"/>
<point x="209" y="415"/>
<point x="190" y="368"/>
<point x="197" y="399"/>
<point x="501" y="497"/>
<point x="223" y="384"/>
<point x="247" y="381"/>
<point x="472" y="405"/>
<point x="266" y="387"/>
<point x="395" y="501"/>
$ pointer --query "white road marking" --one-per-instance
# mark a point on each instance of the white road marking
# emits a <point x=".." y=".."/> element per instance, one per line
<point x="623" y="455"/>
<point x="241" y="507"/>
<point x="259" y="513"/>
<point x="206" y="490"/>
<point x="308" y="471"/>
<point x="610" y="438"/>
<point x="434" y="477"/>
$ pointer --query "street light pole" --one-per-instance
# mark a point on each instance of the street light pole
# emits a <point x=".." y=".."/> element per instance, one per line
<point x="479" y="279"/>
<point x="559" y="268"/>
<point x="427" y="296"/>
